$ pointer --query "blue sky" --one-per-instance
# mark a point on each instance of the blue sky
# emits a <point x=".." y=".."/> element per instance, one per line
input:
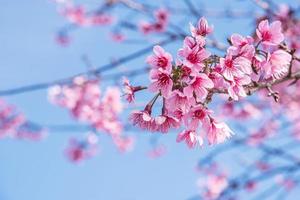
<point x="38" y="170"/>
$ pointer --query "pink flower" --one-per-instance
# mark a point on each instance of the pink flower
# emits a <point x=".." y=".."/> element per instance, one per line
<point x="236" y="88"/>
<point x="190" y="137"/>
<point x="193" y="58"/>
<point x="202" y="28"/>
<point x="217" y="79"/>
<point x="217" y="132"/>
<point x="242" y="46"/>
<point x="198" y="85"/>
<point x="235" y="66"/>
<point x="178" y="100"/>
<point x="270" y="34"/>
<point x="161" y="82"/>
<point x="162" y="15"/>
<point x="165" y="122"/>
<point x="240" y="41"/>
<point x="197" y="115"/>
<point x="129" y="90"/>
<point x="143" y="119"/>
<point x="191" y="43"/>
<point x="161" y="59"/>
<point x="277" y="64"/>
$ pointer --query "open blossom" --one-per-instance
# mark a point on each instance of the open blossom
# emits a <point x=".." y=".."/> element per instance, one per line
<point x="190" y="137"/>
<point x="242" y="47"/>
<point x="165" y="122"/>
<point x="277" y="64"/>
<point x="161" y="82"/>
<point x="161" y="59"/>
<point x="217" y="132"/>
<point x="235" y="66"/>
<point x="178" y="100"/>
<point x="193" y="58"/>
<point x="239" y="41"/>
<point x="202" y="28"/>
<point x="128" y="90"/>
<point x="198" y="114"/>
<point x="199" y="85"/>
<point x="143" y="119"/>
<point x="236" y="88"/>
<point x="270" y="34"/>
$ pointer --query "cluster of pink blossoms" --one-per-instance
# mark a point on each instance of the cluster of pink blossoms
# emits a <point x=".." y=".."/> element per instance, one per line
<point x="85" y="102"/>
<point x="187" y="84"/>
<point x="79" y="16"/>
<point x="159" y="25"/>
<point x="15" y="125"/>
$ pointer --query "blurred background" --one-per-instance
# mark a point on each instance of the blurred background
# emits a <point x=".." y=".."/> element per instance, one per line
<point x="39" y="170"/>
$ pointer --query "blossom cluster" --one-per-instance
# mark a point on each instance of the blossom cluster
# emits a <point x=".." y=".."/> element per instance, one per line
<point x="187" y="84"/>
<point x="77" y="14"/>
<point x="14" y="124"/>
<point x="161" y="19"/>
<point x="84" y="99"/>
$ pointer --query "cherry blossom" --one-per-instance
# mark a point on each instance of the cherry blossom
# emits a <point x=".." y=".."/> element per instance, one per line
<point x="198" y="86"/>
<point x="161" y="82"/>
<point x="202" y="28"/>
<point x="161" y="59"/>
<point x="190" y="137"/>
<point x="217" y="132"/>
<point x="270" y="34"/>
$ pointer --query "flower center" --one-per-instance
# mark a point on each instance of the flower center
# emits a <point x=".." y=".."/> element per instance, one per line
<point x="162" y="62"/>
<point x="267" y="36"/>
<point x="200" y="114"/>
<point x="228" y="63"/>
<point x="193" y="58"/>
<point x="163" y="79"/>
